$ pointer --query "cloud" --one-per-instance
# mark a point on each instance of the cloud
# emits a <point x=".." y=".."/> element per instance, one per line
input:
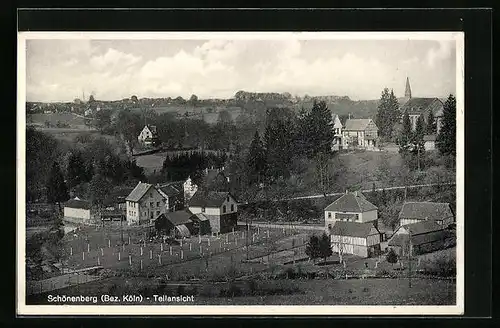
<point x="443" y="52"/>
<point x="60" y="71"/>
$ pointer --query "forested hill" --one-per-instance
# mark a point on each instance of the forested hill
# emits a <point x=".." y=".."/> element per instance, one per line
<point x="249" y="102"/>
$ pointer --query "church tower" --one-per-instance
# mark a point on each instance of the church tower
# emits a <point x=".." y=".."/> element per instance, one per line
<point x="407" y="89"/>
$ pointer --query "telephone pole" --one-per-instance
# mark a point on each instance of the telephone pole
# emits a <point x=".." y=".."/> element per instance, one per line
<point x="409" y="258"/>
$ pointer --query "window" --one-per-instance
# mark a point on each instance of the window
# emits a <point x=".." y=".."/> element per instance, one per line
<point x="164" y="201"/>
<point x="157" y="213"/>
<point x="330" y="226"/>
<point x="232" y="207"/>
<point x="151" y="204"/>
<point x="151" y="215"/>
<point x="329" y="215"/>
<point x="227" y="199"/>
<point x="157" y="204"/>
<point x="203" y="210"/>
<point x="223" y="208"/>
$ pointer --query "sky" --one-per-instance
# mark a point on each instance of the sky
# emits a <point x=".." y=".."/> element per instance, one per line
<point x="62" y="70"/>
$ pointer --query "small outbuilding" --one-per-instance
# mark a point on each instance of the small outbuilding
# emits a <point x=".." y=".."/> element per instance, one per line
<point x="415" y="212"/>
<point x="177" y="224"/>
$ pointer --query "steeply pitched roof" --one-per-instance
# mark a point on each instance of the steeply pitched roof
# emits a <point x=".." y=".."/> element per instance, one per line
<point x="351" y="202"/>
<point x="425" y="211"/>
<point x="421" y="105"/>
<point x="139" y="191"/>
<point x="352" y="229"/>
<point x="170" y="189"/>
<point x="77" y="203"/>
<point x="209" y="198"/>
<point x="422" y="227"/>
<point x="151" y="128"/>
<point x="419" y="239"/>
<point x="336" y="122"/>
<point x="178" y="217"/>
<point x="357" y="124"/>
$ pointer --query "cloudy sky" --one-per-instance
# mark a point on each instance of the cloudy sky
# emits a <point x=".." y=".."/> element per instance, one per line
<point x="61" y="70"/>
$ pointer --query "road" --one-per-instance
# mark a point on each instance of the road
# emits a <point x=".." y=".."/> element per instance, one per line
<point x="364" y="191"/>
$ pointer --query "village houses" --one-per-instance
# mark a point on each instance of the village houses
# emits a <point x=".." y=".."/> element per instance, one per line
<point x="176" y="224"/>
<point x="360" y="133"/>
<point x="219" y="207"/>
<point x="352" y="222"/>
<point x="414" y="212"/>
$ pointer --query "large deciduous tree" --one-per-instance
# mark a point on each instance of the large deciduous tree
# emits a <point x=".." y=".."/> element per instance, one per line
<point x="405" y="137"/>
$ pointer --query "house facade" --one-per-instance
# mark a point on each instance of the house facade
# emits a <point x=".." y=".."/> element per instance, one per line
<point x="190" y="188"/>
<point x="337" y="133"/>
<point x="420" y="238"/>
<point x="361" y="239"/>
<point x="360" y="133"/>
<point x="148" y="136"/>
<point x="78" y="211"/>
<point x="415" y="212"/>
<point x="173" y="193"/>
<point x="144" y="204"/>
<point x="350" y="207"/>
<point x="219" y="207"/>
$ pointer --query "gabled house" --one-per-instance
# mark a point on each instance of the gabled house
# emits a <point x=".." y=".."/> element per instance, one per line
<point x="350" y="207"/>
<point x="361" y="239"/>
<point x="144" y="204"/>
<point x="360" y="133"/>
<point x="415" y="212"/>
<point x="337" y="133"/>
<point x="220" y="207"/>
<point x="115" y="201"/>
<point x="421" y="237"/>
<point x="148" y="136"/>
<point x="78" y="211"/>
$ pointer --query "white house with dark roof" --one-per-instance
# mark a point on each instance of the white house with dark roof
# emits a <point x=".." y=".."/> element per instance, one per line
<point x="415" y="212"/>
<point x="77" y="210"/>
<point x="361" y="239"/>
<point x="337" y="132"/>
<point x="220" y="207"/>
<point x="148" y="135"/>
<point x="350" y="207"/>
<point x="360" y="133"/>
<point x="430" y="142"/>
<point x="144" y="204"/>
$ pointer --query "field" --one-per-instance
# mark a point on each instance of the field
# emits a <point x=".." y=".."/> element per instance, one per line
<point x="73" y="120"/>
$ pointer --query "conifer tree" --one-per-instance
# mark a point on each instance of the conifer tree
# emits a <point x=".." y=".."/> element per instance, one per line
<point x="76" y="169"/>
<point x="388" y="113"/>
<point x="405" y="137"/>
<point x="325" y="247"/>
<point x="319" y="130"/>
<point x="256" y="160"/>
<point x="446" y="139"/>
<point x="57" y="191"/>
<point x="431" y="124"/>
<point x="418" y="135"/>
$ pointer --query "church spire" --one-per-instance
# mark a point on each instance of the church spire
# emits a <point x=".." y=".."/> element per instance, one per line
<point x="408" y="89"/>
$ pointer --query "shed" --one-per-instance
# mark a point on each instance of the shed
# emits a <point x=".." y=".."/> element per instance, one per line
<point x="178" y="223"/>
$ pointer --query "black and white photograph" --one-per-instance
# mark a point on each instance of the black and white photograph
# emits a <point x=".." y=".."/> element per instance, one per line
<point x="240" y="173"/>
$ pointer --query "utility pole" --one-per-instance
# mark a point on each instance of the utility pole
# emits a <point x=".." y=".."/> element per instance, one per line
<point x="418" y="158"/>
<point x="409" y="258"/>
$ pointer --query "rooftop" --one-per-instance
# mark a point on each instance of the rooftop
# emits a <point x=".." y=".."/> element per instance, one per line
<point x="357" y="124"/>
<point x="352" y="229"/>
<point x="77" y="203"/>
<point x="351" y="202"/>
<point x="209" y="198"/>
<point x="139" y="191"/>
<point x="425" y="211"/>
<point x="178" y="217"/>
